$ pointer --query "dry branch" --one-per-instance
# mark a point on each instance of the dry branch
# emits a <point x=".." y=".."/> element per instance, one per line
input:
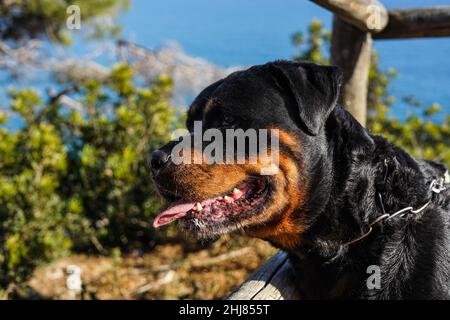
<point x="223" y="257"/>
<point x="166" y="279"/>
<point x="170" y="269"/>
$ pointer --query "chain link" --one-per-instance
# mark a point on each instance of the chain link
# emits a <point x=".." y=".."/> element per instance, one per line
<point x="436" y="186"/>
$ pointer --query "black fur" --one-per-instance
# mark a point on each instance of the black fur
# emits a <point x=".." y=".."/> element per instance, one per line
<point x="345" y="169"/>
<point x="413" y="252"/>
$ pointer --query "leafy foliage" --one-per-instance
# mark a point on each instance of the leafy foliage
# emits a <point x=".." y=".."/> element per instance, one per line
<point x="314" y="49"/>
<point x="77" y="178"/>
<point x="31" y="212"/>
<point x="23" y="20"/>
<point x="419" y="135"/>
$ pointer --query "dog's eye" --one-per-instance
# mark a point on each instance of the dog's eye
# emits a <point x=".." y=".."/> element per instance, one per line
<point x="228" y="121"/>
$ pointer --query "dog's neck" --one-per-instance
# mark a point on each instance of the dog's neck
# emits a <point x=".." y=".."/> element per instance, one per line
<point x="361" y="167"/>
<point x="357" y="172"/>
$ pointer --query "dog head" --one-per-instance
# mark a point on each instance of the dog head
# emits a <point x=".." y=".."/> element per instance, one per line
<point x="262" y="190"/>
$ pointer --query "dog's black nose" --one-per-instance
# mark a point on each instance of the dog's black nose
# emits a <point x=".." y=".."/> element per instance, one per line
<point x="158" y="159"/>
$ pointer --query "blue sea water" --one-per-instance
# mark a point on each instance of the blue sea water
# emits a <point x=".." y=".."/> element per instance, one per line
<point x="246" y="32"/>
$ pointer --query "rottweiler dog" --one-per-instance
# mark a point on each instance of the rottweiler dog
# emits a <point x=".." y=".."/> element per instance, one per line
<point x="343" y="203"/>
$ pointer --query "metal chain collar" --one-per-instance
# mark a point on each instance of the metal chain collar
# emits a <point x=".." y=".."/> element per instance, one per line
<point x="436" y="187"/>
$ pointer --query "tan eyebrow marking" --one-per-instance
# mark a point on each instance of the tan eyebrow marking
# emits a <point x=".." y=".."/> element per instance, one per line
<point x="210" y="104"/>
<point x="192" y="109"/>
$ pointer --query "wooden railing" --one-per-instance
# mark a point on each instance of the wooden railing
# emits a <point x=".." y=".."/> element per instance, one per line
<point x="273" y="281"/>
<point x="357" y="23"/>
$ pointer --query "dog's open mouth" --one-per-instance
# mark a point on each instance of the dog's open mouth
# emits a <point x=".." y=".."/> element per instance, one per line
<point x="238" y="203"/>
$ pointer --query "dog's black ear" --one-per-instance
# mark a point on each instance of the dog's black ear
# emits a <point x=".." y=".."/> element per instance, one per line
<point x="314" y="88"/>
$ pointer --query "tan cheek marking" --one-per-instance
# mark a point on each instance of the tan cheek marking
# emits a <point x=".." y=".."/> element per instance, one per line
<point x="206" y="180"/>
<point x="289" y="140"/>
<point x="284" y="228"/>
<point x="287" y="233"/>
<point x="279" y="223"/>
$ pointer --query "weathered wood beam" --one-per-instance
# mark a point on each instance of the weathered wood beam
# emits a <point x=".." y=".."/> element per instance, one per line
<point x="351" y="50"/>
<point x="366" y="15"/>
<point x="272" y="281"/>
<point x="417" y="23"/>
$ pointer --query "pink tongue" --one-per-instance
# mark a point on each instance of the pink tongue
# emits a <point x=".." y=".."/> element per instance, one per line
<point x="176" y="211"/>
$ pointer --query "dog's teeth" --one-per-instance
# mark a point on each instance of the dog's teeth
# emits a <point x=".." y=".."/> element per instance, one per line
<point x="198" y="206"/>
<point x="227" y="199"/>
<point x="237" y="193"/>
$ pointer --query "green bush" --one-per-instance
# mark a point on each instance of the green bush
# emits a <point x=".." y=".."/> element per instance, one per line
<point x="23" y="20"/>
<point x="77" y="178"/>
<point x="32" y="214"/>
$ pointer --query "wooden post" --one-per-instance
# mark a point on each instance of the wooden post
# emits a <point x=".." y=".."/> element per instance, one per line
<point x="351" y="50"/>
